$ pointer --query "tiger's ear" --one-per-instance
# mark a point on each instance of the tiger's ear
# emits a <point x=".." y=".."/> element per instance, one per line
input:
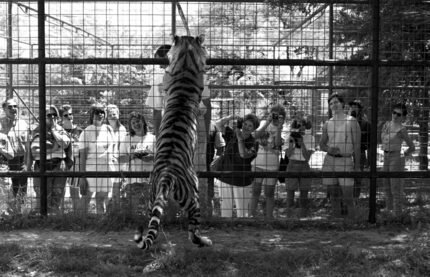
<point x="200" y="39"/>
<point x="174" y="38"/>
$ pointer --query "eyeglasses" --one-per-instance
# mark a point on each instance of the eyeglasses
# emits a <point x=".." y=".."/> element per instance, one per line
<point x="396" y="113"/>
<point x="67" y="115"/>
<point x="98" y="112"/>
<point x="12" y="106"/>
<point x="51" y="115"/>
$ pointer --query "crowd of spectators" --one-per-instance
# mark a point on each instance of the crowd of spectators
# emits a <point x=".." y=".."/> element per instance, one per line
<point x="247" y="144"/>
<point x="244" y="144"/>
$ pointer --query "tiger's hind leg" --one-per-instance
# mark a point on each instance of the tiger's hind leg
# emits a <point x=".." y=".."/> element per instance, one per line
<point x="154" y="223"/>
<point x="194" y="225"/>
<point x="191" y="206"/>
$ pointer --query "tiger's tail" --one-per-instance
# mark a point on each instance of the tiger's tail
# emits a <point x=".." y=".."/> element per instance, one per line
<point x="156" y="212"/>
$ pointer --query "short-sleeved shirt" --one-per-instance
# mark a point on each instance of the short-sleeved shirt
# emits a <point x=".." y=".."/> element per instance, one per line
<point x="98" y="140"/>
<point x="74" y="133"/>
<point x="130" y="145"/>
<point x="268" y="155"/>
<point x="235" y="162"/>
<point x="17" y="132"/>
<point x="392" y="136"/>
<point x="156" y="93"/>
<point x="4" y="141"/>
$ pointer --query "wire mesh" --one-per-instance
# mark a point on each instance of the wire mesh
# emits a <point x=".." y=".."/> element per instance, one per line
<point x="259" y="54"/>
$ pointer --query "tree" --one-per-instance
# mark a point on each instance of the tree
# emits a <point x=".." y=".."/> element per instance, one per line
<point x="404" y="36"/>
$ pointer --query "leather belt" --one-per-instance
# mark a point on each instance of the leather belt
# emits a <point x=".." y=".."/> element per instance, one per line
<point x="395" y="151"/>
<point x="339" y="155"/>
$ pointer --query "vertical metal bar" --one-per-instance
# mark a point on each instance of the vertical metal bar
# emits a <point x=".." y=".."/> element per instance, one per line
<point x="374" y="105"/>
<point x="42" y="105"/>
<point x="173" y="17"/>
<point x="9" y="67"/>
<point x="330" y="48"/>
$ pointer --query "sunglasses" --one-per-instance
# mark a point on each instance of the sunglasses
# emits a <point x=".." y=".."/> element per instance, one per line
<point x="12" y="106"/>
<point x="67" y="115"/>
<point x="396" y="113"/>
<point x="98" y="112"/>
<point x="51" y="115"/>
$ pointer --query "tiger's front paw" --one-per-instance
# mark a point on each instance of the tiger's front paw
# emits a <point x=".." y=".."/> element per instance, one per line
<point x="199" y="240"/>
<point x="205" y="242"/>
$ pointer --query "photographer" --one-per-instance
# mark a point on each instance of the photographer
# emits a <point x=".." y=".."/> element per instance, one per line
<point x="269" y="138"/>
<point x="239" y="152"/>
<point x="298" y="153"/>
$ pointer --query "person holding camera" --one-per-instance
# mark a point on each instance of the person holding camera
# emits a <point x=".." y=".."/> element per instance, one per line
<point x="270" y="141"/>
<point x="239" y="152"/>
<point x="299" y="152"/>
<point x="341" y="139"/>
<point x="57" y="141"/>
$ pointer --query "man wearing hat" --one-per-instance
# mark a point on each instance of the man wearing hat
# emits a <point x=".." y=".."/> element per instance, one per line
<point x="17" y="131"/>
<point x="57" y="140"/>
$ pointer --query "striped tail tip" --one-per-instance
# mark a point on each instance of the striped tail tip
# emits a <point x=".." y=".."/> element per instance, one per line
<point x="138" y="235"/>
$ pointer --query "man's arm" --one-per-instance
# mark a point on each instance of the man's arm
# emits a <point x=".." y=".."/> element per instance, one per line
<point x="356" y="140"/>
<point x="324" y="139"/>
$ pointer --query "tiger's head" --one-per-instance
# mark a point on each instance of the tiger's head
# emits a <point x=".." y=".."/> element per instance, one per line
<point x="187" y="52"/>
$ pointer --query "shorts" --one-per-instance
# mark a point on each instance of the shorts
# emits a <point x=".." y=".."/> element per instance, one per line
<point x="338" y="164"/>
<point x="298" y="183"/>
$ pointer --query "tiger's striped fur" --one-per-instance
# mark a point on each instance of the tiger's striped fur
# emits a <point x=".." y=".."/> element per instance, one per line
<point x="173" y="164"/>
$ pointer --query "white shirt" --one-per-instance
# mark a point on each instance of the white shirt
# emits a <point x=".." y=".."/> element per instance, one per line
<point x="156" y="94"/>
<point x="267" y="155"/>
<point x="98" y="141"/>
<point x="340" y="135"/>
<point x="131" y="144"/>
<point x="309" y="142"/>
<point x="155" y="98"/>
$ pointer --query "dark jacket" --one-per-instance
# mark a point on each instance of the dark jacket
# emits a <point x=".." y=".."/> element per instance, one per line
<point x="232" y="161"/>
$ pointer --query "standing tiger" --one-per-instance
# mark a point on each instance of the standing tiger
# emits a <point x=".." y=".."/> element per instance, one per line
<point x="173" y="163"/>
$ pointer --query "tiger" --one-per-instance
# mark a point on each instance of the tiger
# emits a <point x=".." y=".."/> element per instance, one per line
<point x="173" y="170"/>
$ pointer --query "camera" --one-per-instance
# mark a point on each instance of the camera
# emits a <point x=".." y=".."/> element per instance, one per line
<point x="275" y="116"/>
<point x="295" y="137"/>
<point x="239" y="123"/>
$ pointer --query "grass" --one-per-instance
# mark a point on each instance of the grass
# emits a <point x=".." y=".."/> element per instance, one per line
<point x="168" y="260"/>
<point x="326" y="248"/>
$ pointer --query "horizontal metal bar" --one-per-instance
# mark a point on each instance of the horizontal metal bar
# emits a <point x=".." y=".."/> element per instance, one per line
<point x="268" y="62"/>
<point x="214" y="87"/>
<point x="153" y="61"/>
<point x="212" y="1"/>
<point x="205" y="174"/>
